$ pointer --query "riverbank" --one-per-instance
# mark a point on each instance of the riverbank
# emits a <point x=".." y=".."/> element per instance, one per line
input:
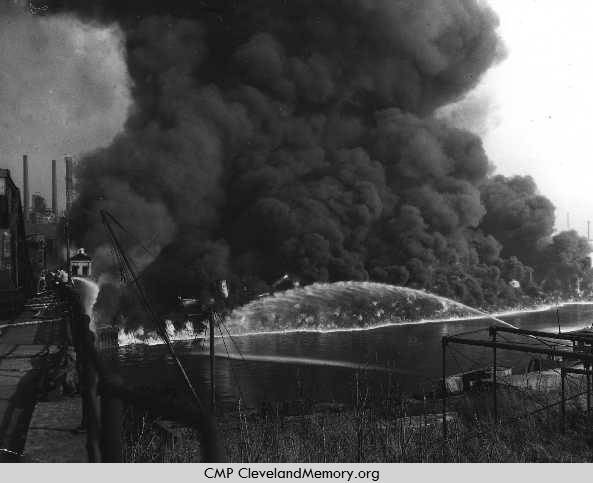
<point x="386" y="425"/>
<point x="369" y="436"/>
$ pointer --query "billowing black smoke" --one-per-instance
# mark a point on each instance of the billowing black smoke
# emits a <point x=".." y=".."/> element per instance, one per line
<point x="273" y="137"/>
<point x="517" y="216"/>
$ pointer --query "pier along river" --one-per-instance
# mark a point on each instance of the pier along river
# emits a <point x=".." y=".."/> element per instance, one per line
<point x="328" y="366"/>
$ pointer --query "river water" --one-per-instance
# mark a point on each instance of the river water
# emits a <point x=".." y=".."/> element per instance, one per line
<point x="328" y="366"/>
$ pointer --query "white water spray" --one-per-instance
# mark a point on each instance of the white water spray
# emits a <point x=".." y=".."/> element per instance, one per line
<point x="335" y="307"/>
<point x="347" y="306"/>
<point x="359" y="366"/>
<point x="88" y="292"/>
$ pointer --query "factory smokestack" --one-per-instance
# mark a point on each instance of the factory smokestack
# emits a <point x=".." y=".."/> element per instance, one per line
<point x="26" y="185"/>
<point x="54" y="188"/>
<point x="68" y="160"/>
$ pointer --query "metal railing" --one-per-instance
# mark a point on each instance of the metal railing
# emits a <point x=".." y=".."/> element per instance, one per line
<point x="104" y="395"/>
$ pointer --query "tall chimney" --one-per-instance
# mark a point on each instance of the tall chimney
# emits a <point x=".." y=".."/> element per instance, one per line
<point x="68" y="160"/>
<point x="26" y="186"/>
<point x="54" y="188"/>
<point x="69" y="184"/>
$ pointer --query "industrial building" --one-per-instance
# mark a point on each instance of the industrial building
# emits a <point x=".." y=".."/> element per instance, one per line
<point x="16" y="277"/>
<point x="42" y="223"/>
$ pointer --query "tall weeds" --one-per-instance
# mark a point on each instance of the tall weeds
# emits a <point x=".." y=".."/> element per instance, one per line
<point x="391" y="429"/>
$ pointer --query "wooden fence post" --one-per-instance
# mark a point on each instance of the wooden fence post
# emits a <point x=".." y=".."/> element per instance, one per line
<point x="92" y="413"/>
<point x="111" y="422"/>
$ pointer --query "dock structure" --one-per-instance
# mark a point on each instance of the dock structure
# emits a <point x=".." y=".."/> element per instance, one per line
<point x="32" y="346"/>
<point x="573" y="350"/>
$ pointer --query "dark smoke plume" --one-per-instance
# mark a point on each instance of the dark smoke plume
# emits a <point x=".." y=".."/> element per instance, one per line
<point x="517" y="215"/>
<point x="298" y="137"/>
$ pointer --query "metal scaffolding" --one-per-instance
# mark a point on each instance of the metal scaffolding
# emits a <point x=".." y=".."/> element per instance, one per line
<point x="581" y="350"/>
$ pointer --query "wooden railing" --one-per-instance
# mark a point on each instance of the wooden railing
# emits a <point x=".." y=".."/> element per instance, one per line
<point x="104" y="395"/>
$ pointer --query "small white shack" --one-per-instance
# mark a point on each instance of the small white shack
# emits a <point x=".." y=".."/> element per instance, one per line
<point x="80" y="264"/>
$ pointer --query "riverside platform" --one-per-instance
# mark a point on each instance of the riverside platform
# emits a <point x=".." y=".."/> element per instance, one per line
<point x="34" y="355"/>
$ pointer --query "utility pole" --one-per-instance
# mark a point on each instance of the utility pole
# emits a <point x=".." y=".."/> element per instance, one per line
<point x="212" y="356"/>
<point x="444" y="384"/>
<point x="494" y="402"/>
<point x="221" y="293"/>
<point x="588" y="230"/>
<point x="567" y="220"/>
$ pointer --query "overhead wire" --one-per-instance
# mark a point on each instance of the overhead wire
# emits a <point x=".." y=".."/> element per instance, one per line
<point x="231" y="365"/>
<point x="232" y="340"/>
<point x="127" y="270"/>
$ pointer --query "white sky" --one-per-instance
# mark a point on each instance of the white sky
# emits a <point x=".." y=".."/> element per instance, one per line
<point x="537" y="104"/>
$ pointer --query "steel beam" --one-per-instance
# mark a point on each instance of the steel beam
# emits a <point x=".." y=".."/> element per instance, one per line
<point x="547" y="335"/>
<point x="578" y="356"/>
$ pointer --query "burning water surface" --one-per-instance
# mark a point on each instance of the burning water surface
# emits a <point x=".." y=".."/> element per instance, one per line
<point x="324" y="309"/>
<point x="141" y="336"/>
<point x="327" y="307"/>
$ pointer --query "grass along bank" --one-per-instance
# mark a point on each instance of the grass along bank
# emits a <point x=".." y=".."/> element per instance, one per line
<point x="391" y="433"/>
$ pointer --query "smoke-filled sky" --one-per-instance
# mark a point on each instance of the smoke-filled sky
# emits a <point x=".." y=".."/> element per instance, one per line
<point x="312" y="137"/>
<point x="534" y="109"/>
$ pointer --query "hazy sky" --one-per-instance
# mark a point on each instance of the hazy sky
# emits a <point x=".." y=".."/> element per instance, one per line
<point x="64" y="89"/>
<point x="534" y="110"/>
